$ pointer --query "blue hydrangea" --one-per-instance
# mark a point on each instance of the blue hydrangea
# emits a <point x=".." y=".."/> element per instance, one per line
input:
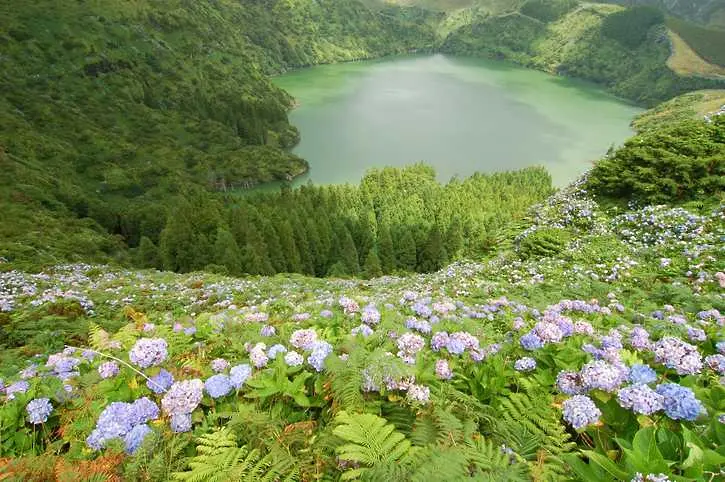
<point x="239" y="374"/>
<point x="642" y="374"/>
<point x="180" y="422"/>
<point x="530" y="341"/>
<point x="275" y="350"/>
<point x="320" y="351"/>
<point x="160" y="382"/>
<point x="39" y="410"/>
<point x="267" y="330"/>
<point x="580" y="411"/>
<point x="108" y="369"/>
<point x="679" y="402"/>
<point x="218" y="385"/>
<point x="143" y="410"/>
<point x="525" y="364"/>
<point x="218" y="365"/>
<point x="135" y="438"/>
<point x="148" y="352"/>
<point x="418" y="394"/>
<point x="640" y="399"/>
<point x="363" y="330"/>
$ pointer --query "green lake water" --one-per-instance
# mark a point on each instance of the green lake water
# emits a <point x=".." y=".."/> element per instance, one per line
<point x="459" y="115"/>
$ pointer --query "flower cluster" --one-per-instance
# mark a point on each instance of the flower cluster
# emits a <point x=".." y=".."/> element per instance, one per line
<point x="148" y="352"/>
<point x="181" y="399"/>
<point x="678" y="355"/>
<point x="39" y="410"/>
<point x="580" y="411"/>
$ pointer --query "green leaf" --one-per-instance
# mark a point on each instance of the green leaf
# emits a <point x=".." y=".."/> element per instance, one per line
<point x="607" y="465"/>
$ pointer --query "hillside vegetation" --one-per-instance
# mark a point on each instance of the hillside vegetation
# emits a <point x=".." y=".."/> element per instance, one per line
<point x="693" y="105"/>
<point x="588" y="347"/>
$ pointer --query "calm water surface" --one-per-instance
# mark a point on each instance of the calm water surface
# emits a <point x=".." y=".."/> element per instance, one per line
<point x="459" y="115"/>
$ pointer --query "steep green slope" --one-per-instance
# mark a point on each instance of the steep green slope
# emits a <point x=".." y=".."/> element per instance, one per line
<point x="589" y="41"/>
<point x="693" y="105"/>
<point x="106" y="108"/>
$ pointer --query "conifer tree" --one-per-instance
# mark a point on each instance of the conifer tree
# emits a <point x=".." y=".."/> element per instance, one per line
<point x="372" y="267"/>
<point x="227" y="252"/>
<point x="406" y="255"/>
<point x="147" y="255"/>
<point x="434" y="254"/>
<point x="385" y="249"/>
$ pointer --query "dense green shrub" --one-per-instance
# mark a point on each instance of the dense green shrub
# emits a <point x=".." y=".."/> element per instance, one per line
<point x="709" y="43"/>
<point x="676" y="164"/>
<point x="548" y="10"/>
<point x="630" y="26"/>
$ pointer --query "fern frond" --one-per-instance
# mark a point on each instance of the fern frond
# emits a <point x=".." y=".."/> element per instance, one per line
<point x="371" y="441"/>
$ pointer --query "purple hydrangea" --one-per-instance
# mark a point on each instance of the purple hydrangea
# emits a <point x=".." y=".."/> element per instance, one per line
<point x="267" y="330"/>
<point x="180" y="422"/>
<point x="639" y="338"/>
<point x="679" y="355"/>
<point x="326" y="314"/>
<point x="439" y="340"/>
<point x="303" y="339"/>
<point x="183" y="397"/>
<point x="716" y="363"/>
<point x="569" y="383"/>
<point x="418" y="394"/>
<point x="363" y="330"/>
<point x="190" y="331"/>
<point x="409" y="344"/>
<point x="679" y="402"/>
<point x="370" y="315"/>
<point x="293" y="359"/>
<point x="638" y="477"/>
<point x="218" y="385"/>
<point x="39" y="410"/>
<point x="530" y="341"/>
<point x="443" y="370"/>
<point x="422" y="326"/>
<point x="548" y="332"/>
<point x="525" y="364"/>
<point x="160" y="382"/>
<point x="640" y="399"/>
<point x="108" y="369"/>
<point x="642" y="374"/>
<point x="239" y="374"/>
<point x="580" y="411"/>
<point x="219" y="365"/>
<point x="461" y="341"/>
<point x="18" y="387"/>
<point x="320" y="351"/>
<point x="696" y="334"/>
<point x="602" y="375"/>
<point x="148" y="352"/>
<point x="134" y="438"/>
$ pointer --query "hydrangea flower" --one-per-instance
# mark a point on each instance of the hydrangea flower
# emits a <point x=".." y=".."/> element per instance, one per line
<point x="409" y="344"/>
<point x="696" y="334"/>
<point x="133" y="439"/>
<point x="525" y="364"/>
<point x="293" y="359"/>
<point x="267" y="330"/>
<point x="639" y="338"/>
<point x="257" y="355"/>
<point x="239" y="374"/>
<point x="363" y="330"/>
<point x="461" y="341"/>
<point x="569" y="383"/>
<point x="108" y="369"/>
<point x="303" y="339"/>
<point x="418" y="394"/>
<point x="370" y="315"/>
<point x="602" y="375"/>
<point x="183" y="397"/>
<point x="219" y="365"/>
<point x="638" y="477"/>
<point x="640" y="399"/>
<point x="642" y="374"/>
<point x="180" y="422"/>
<point x="275" y="350"/>
<point x="443" y="370"/>
<point x="320" y="351"/>
<point x="530" y="341"/>
<point x="39" y="410"/>
<point x="148" y="352"/>
<point x="439" y="340"/>
<point x="679" y="402"/>
<point x="326" y="314"/>
<point x="716" y="363"/>
<point x="580" y="411"/>
<point x="18" y="387"/>
<point x="218" y="385"/>
<point x="143" y="410"/>
<point x="679" y="355"/>
<point x="160" y="382"/>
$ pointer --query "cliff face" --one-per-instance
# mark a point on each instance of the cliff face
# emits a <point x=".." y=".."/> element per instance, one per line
<point x="701" y="11"/>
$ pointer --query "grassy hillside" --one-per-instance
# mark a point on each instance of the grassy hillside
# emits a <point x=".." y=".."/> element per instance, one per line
<point x="693" y="105"/>
<point x="589" y="41"/>
<point x="685" y="61"/>
<point x="709" y="43"/>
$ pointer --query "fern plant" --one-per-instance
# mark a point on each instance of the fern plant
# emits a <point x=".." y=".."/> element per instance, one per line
<point x="219" y="459"/>
<point x="370" y="441"/>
